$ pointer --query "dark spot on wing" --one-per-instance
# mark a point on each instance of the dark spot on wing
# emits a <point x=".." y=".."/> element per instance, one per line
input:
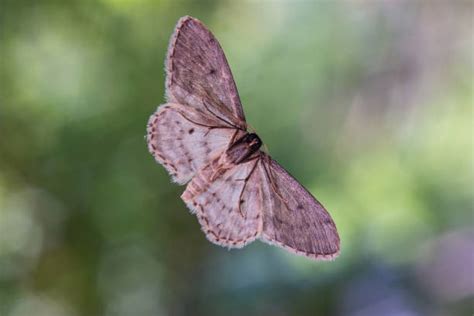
<point x="191" y="131"/>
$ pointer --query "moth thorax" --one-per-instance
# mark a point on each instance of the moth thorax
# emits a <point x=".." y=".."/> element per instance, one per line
<point x="243" y="148"/>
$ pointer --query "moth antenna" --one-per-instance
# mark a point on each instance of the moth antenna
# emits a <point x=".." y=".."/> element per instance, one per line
<point x="250" y="127"/>
<point x="219" y="117"/>
<point x="203" y="125"/>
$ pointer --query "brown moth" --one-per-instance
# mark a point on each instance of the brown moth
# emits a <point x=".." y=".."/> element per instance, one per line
<point x="238" y="192"/>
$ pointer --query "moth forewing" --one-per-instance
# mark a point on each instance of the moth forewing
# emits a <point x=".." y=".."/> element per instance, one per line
<point x="197" y="73"/>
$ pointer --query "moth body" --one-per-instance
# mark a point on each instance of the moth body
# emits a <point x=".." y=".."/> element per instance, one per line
<point x="244" y="148"/>
<point x="237" y="192"/>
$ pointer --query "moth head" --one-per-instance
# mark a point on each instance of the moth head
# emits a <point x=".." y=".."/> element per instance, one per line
<point x="253" y="141"/>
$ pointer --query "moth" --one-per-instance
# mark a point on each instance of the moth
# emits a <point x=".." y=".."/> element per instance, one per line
<point x="237" y="191"/>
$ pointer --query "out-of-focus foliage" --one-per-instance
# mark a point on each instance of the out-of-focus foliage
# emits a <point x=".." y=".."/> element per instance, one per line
<point x="368" y="103"/>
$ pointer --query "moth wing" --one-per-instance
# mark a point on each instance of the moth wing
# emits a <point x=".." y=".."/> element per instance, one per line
<point x="228" y="206"/>
<point x="184" y="140"/>
<point x="293" y="218"/>
<point x="198" y="74"/>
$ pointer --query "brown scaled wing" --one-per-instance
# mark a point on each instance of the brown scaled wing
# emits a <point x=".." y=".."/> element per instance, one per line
<point x="293" y="218"/>
<point x="198" y="74"/>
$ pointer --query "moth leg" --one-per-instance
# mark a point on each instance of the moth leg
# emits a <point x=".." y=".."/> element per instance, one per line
<point x="218" y="172"/>
<point x="274" y="188"/>
<point x="243" y="188"/>
<point x="233" y="138"/>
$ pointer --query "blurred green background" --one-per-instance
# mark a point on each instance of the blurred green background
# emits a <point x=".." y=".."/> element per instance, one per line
<point x="368" y="103"/>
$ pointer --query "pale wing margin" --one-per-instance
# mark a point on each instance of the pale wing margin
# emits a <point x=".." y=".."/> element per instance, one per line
<point x="293" y="218"/>
<point x="184" y="140"/>
<point x="228" y="207"/>
<point x="198" y="73"/>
